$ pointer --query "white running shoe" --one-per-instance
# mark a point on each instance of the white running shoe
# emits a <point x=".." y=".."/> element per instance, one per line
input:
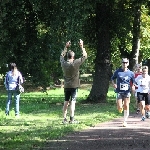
<point x="64" y="121"/>
<point x="147" y="115"/>
<point x="124" y="124"/>
<point x="143" y="118"/>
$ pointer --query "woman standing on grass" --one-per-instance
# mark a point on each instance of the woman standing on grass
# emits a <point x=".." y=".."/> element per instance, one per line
<point x="143" y="82"/>
<point x="12" y="79"/>
<point x="123" y="77"/>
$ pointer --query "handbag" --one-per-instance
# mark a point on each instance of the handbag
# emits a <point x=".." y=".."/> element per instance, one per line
<point x="19" y="87"/>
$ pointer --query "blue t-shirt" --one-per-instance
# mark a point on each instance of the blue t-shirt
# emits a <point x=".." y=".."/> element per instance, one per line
<point x="123" y="79"/>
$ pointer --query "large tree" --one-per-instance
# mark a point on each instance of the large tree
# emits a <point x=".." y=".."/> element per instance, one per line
<point x="103" y="56"/>
<point x="118" y="23"/>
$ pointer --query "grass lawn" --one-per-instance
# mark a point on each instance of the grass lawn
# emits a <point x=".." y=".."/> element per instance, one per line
<point x="41" y="118"/>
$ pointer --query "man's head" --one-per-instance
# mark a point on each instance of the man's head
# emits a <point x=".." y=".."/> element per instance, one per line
<point x="70" y="54"/>
<point x="125" y="62"/>
<point x="144" y="71"/>
<point x="138" y="68"/>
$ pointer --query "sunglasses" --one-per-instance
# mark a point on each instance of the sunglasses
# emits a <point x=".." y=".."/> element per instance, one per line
<point x="144" y="72"/>
<point x="124" y="62"/>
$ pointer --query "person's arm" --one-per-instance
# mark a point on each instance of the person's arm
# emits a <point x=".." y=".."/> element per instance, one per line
<point x="80" y="60"/>
<point x="149" y="87"/>
<point x="63" y="53"/>
<point x="21" y="78"/>
<point x="133" y="83"/>
<point x="113" y="80"/>
<point x="136" y="81"/>
<point x="84" y="53"/>
<point x="114" y="84"/>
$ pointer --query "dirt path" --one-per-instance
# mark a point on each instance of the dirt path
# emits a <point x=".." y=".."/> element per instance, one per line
<point x="107" y="136"/>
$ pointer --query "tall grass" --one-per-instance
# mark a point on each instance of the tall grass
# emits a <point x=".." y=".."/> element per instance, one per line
<point x="41" y="118"/>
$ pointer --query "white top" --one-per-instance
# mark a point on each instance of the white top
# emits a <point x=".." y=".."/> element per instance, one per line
<point x="143" y="84"/>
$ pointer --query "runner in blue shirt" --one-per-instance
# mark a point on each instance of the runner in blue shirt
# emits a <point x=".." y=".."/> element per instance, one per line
<point x="123" y="77"/>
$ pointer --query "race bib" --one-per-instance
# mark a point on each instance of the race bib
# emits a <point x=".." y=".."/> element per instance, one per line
<point x="123" y="87"/>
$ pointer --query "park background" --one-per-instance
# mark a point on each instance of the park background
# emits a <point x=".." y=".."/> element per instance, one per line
<point x="33" y="34"/>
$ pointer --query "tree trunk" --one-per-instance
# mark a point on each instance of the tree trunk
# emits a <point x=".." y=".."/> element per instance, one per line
<point x="102" y="74"/>
<point x="134" y="56"/>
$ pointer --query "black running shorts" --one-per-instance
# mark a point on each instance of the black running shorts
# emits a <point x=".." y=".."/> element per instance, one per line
<point x="70" y="94"/>
<point x="138" y="97"/>
<point x="145" y="97"/>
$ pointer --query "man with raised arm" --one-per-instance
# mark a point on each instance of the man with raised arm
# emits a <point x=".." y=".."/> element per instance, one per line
<point x="70" y="68"/>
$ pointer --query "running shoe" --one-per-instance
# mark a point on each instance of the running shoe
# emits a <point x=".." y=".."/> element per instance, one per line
<point x="124" y="124"/>
<point x="64" y="121"/>
<point x="7" y="113"/>
<point x="137" y="111"/>
<point x="73" y="122"/>
<point x="143" y="119"/>
<point x="147" y="115"/>
<point x="120" y="110"/>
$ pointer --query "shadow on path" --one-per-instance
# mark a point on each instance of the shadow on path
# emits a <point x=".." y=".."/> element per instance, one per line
<point x="107" y="136"/>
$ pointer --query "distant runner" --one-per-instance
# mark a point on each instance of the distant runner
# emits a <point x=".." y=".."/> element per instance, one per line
<point x="138" y="71"/>
<point x="143" y="82"/>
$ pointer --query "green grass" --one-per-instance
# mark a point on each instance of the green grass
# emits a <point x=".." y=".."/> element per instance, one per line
<point x="41" y="116"/>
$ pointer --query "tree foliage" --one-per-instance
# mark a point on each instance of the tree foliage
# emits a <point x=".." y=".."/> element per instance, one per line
<point x="33" y="33"/>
